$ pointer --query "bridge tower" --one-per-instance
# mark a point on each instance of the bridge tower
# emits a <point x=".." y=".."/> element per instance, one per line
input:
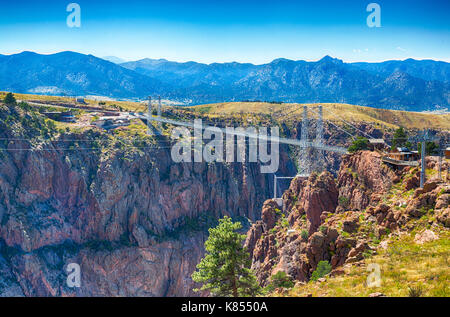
<point x="423" y="158"/>
<point x="159" y="106"/>
<point x="319" y="138"/>
<point x="149" y="115"/>
<point x="159" y="111"/>
<point x="303" y="162"/>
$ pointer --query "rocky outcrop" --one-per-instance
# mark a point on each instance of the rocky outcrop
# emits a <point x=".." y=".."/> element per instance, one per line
<point x="311" y="197"/>
<point x="443" y="216"/>
<point x="9" y="287"/>
<point x="425" y="236"/>
<point x="162" y="269"/>
<point x="304" y="203"/>
<point x="362" y="180"/>
<point x="327" y="220"/>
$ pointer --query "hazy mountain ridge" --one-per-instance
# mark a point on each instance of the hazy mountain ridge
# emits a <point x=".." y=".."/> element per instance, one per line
<point x="409" y="85"/>
<point x="72" y="74"/>
<point x="423" y="69"/>
<point x="327" y="80"/>
<point x="113" y="59"/>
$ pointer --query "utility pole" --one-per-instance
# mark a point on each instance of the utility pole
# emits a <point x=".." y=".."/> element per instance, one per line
<point x="441" y="152"/>
<point x="159" y="112"/>
<point x="423" y="153"/>
<point x="274" y="186"/>
<point x="149" y="114"/>
<point x="441" y="157"/>
<point x="159" y="106"/>
<point x="279" y="201"/>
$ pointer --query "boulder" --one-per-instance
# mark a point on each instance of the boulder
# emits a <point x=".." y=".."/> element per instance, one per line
<point x="270" y="214"/>
<point x="442" y="201"/>
<point x="351" y="223"/>
<point x="412" y="182"/>
<point x="425" y="236"/>
<point x="443" y="216"/>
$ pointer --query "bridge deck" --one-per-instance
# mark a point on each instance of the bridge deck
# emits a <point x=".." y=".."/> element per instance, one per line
<point x="389" y="160"/>
<point x="302" y="144"/>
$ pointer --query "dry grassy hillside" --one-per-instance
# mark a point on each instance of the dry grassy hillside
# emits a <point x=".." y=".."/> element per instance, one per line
<point x="125" y="105"/>
<point x="286" y="112"/>
<point x="334" y="112"/>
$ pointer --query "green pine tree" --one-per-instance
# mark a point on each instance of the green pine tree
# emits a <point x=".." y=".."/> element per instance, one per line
<point x="225" y="269"/>
<point x="322" y="269"/>
<point x="400" y="138"/>
<point x="358" y="144"/>
<point x="430" y="148"/>
<point x="9" y="99"/>
<point x="279" y="280"/>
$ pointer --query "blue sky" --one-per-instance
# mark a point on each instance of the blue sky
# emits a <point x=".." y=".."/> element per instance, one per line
<point x="223" y="31"/>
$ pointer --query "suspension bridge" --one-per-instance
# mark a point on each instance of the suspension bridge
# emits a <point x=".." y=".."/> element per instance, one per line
<point x="304" y="143"/>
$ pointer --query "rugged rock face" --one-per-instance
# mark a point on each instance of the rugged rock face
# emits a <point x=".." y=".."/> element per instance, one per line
<point x="134" y="221"/>
<point x="158" y="270"/>
<point x="305" y="199"/>
<point x="362" y="180"/>
<point x="323" y="219"/>
<point x="319" y="194"/>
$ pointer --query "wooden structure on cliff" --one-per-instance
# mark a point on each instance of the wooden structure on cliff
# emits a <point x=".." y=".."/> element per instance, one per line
<point x="389" y="160"/>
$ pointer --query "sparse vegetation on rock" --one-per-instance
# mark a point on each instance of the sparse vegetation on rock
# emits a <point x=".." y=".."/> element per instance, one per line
<point x="323" y="268"/>
<point x="360" y="143"/>
<point x="9" y="99"/>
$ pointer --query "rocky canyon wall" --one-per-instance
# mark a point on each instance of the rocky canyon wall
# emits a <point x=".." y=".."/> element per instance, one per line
<point x="135" y="221"/>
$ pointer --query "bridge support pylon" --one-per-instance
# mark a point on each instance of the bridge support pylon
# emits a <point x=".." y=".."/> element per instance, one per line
<point x="303" y="161"/>
<point x="319" y="139"/>
<point x="149" y="115"/>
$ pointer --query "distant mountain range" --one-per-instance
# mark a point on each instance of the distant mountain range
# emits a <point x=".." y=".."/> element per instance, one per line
<point x="113" y="59"/>
<point x="411" y="84"/>
<point x="72" y="74"/>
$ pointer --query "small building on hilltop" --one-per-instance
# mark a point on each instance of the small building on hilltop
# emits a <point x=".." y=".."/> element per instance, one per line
<point x="64" y="116"/>
<point x="80" y="100"/>
<point x="404" y="154"/>
<point x="67" y="116"/>
<point x="376" y="144"/>
<point x="109" y="123"/>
